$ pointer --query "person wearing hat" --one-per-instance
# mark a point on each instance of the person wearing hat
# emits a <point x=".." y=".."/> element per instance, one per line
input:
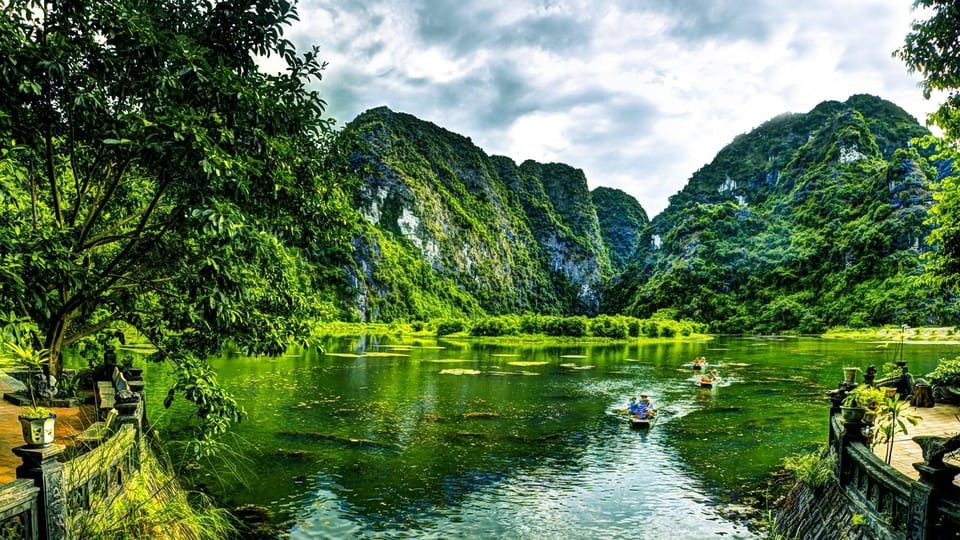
<point x="645" y="408"/>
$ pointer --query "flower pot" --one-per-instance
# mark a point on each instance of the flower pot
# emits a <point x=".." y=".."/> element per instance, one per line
<point x="850" y="375"/>
<point x="853" y="414"/>
<point x="38" y="432"/>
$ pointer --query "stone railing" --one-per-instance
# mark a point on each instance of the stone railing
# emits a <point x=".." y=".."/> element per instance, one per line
<point x="50" y="498"/>
<point x="894" y="505"/>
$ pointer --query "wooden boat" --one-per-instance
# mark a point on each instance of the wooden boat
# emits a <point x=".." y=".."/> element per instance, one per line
<point x="708" y="382"/>
<point x="642" y="423"/>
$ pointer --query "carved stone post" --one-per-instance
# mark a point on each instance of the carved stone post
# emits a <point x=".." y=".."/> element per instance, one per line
<point x="924" y="495"/>
<point x="41" y="466"/>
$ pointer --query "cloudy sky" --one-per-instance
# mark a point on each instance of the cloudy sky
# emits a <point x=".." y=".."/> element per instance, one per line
<point x="637" y="93"/>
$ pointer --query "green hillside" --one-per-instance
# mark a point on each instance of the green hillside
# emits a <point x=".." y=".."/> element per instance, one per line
<point x="807" y="222"/>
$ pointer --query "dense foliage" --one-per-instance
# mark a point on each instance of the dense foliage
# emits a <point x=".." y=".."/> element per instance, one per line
<point x="931" y="49"/>
<point x="153" y="177"/>
<point x="602" y="326"/>
<point x="808" y="222"/>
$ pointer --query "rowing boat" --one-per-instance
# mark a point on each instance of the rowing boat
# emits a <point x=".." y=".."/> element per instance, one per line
<point x="642" y="423"/>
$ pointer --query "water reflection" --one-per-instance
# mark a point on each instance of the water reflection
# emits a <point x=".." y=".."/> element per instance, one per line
<point x="385" y="438"/>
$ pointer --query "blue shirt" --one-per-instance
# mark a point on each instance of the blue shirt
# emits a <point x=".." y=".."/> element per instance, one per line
<point x="644" y="408"/>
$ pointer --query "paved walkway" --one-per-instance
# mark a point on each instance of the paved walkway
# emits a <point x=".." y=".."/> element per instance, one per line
<point x="940" y="420"/>
<point x="70" y="421"/>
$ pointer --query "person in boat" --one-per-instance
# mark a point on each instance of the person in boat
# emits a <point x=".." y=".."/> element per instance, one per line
<point x="645" y="408"/>
<point x="634" y="407"/>
<point x="699" y="362"/>
<point x="710" y="377"/>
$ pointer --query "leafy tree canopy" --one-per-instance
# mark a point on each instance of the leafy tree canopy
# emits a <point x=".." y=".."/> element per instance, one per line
<point x="931" y="50"/>
<point x="152" y="175"/>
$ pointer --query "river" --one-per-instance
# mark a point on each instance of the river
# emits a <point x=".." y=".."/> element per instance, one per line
<point x="384" y="437"/>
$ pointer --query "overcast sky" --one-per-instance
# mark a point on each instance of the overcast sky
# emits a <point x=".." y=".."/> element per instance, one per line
<point x="637" y="93"/>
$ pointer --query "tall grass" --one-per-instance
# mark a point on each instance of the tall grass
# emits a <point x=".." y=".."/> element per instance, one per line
<point x="153" y="505"/>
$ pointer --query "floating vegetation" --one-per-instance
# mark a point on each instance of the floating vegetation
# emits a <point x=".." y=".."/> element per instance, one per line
<point x="386" y="355"/>
<point x="506" y="373"/>
<point x="572" y="356"/>
<point x="527" y="364"/>
<point x="576" y="366"/>
<point x="505" y="355"/>
<point x="458" y="371"/>
<point x="298" y="455"/>
<point x="736" y="364"/>
<point x="564" y="397"/>
<point x="313" y="402"/>
<point x="447" y="360"/>
<point x="468" y="435"/>
<point x="482" y="414"/>
<point x="343" y="354"/>
<point x="337" y="439"/>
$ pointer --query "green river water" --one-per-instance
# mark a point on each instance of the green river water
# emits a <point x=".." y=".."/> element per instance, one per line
<point x="390" y="438"/>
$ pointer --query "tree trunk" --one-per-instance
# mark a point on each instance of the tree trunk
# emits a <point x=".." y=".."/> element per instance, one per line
<point x="54" y="346"/>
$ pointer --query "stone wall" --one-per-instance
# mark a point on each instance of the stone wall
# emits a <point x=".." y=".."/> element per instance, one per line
<point x="818" y="513"/>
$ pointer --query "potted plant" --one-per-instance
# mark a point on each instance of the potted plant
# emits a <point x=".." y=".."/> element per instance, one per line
<point x="37" y="423"/>
<point x="859" y="400"/>
<point x="945" y="380"/>
<point x="850" y="374"/>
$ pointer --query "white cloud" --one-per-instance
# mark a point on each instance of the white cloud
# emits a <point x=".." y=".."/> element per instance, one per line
<point x="638" y="93"/>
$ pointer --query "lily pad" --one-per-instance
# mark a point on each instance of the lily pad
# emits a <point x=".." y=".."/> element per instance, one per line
<point x="527" y="364"/>
<point x="458" y="371"/>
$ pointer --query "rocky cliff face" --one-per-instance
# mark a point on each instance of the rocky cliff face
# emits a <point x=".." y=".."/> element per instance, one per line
<point x="480" y="232"/>
<point x="809" y="221"/>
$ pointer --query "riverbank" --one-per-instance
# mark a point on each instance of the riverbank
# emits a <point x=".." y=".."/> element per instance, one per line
<point x="895" y="334"/>
<point x="425" y="330"/>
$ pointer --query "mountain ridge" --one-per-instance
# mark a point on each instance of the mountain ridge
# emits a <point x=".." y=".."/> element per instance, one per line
<point x="810" y="220"/>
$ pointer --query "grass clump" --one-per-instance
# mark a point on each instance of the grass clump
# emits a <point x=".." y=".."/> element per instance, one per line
<point x="152" y="505"/>
<point x="814" y="468"/>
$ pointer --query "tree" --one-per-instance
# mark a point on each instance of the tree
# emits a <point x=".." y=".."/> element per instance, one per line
<point x="931" y="49"/>
<point x="153" y="175"/>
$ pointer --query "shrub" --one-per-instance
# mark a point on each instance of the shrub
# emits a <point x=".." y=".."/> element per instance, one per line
<point x="813" y="469"/>
<point x="667" y="329"/>
<point x="450" y="326"/>
<point x="606" y="326"/>
<point x="495" y="326"/>
<point x="947" y="373"/>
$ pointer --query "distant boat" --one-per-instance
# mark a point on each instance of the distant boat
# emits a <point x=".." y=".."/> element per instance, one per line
<point x="699" y="363"/>
<point x="707" y="381"/>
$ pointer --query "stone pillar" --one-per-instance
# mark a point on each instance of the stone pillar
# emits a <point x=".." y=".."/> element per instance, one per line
<point x="924" y="495"/>
<point x="851" y="432"/>
<point x="41" y="466"/>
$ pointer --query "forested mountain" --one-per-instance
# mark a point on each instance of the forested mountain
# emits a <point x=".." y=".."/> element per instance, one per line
<point x="808" y="221"/>
<point x="447" y="230"/>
